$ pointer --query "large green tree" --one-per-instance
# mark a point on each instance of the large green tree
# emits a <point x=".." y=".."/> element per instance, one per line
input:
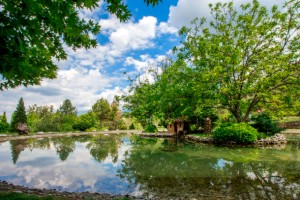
<point x="32" y="35"/>
<point x="173" y="95"/>
<point x="102" y="110"/>
<point x="19" y="115"/>
<point x="245" y="56"/>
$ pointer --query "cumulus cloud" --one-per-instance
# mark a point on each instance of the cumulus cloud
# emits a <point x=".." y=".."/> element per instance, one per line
<point x="166" y="28"/>
<point x="109" y="94"/>
<point x="89" y="74"/>
<point x="145" y="61"/>
<point x="130" y="35"/>
<point x="186" y="10"/>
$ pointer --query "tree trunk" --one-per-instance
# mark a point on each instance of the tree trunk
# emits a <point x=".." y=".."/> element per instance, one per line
<point x="100" y="124"/>
<point x="237" y="114"/>
<point x="236" y="111"/>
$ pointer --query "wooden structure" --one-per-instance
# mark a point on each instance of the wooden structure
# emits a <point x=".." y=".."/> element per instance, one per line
<point x="178" y="126"/>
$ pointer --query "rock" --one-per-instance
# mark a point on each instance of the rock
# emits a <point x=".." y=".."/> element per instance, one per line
<point x="274" y="140"/>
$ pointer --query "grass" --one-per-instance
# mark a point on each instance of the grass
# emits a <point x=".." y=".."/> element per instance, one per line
<point x="21" y="196"/>
<point x="202" y="135"/>
<point x="290" y="119"/>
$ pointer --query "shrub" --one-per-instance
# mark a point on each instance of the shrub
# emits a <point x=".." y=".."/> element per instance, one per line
<point x="131" y="127"/>
<point x="264" y="123"/>
<point x="82" y="125"/>
<point x="240" y="133"/>
<point x="151" y="129"/>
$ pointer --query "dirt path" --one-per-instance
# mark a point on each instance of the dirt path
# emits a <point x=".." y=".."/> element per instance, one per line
<point x="291" y="131"/>
<point x="43" y="135"/>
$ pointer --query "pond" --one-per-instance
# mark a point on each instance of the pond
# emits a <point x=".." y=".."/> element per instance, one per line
<point x="146" y="168"/>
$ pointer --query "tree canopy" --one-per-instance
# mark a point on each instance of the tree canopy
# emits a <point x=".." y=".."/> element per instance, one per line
<point x="67" y="108"/>
<point x="102" y="109"/>
<point x="33" y="33"/>
<point x="245" y="58"/>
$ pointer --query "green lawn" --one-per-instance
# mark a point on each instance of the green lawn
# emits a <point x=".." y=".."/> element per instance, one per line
<point x="21" y="196"/>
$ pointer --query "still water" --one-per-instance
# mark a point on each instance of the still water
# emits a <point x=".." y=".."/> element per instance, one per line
<point x="128" y="164"/>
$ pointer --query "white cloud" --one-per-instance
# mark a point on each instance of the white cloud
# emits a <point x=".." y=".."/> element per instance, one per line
<point x="166" y="28"/>
<point x="109" y="94"/>
<point x="91" y="14"/>
<point x="144" y="62"/>
<point x="186" y="10"/>
<point x="130" y="36"/>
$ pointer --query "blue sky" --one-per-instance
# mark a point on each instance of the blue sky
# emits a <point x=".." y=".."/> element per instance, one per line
<point x="130" y="47"/>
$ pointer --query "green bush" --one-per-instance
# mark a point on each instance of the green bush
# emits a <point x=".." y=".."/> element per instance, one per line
<point x="264" y="123"/>
<point x="151" y="129"/>
<point x="240" y="133"/>
<point x="131" y="127"/>
<point x="82" y="125"/>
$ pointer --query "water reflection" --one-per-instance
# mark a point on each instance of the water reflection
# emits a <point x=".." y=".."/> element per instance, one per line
<point x="212" y="172"/>
<point x="119" y="164"/>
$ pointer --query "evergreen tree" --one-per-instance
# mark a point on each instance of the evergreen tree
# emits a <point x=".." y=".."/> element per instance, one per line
<point x="19" y="116"/>
<point x="67" y="113"/>
<point x="4" y="125"/>
<point x="67" y="108"/>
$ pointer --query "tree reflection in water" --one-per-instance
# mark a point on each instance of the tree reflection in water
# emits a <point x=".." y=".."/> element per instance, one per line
<point x="16" y="147"/>
<point x="167" y="168"/>
<point x="200" y="171"/>
<point x="101" y="146"/>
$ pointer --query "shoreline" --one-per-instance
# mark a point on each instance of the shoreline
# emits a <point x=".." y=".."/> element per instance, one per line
<point x="6" y="187"/>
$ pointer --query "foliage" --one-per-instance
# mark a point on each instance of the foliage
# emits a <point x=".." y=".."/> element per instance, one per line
<point x="170" y="97"/>
<point x="43" y="118"/>
<point x="265" y="124"/>
<point x="33" y="33"/>
<point x="102" y="109"/>
<point x="19" y="116"/>
<point x="131" y="127"/>
<point x="245" y="57"/>
<point x="151" y="129"/>
<point x="85" y="121"/>
<point x="141" y="104"/>
<point x="67" y="113"/>
<point x="4" y="125"/>
<point x="240" y="133"/>
<point x="115" y="113"/>
<point x="67" y="108"/>
<point x="122" y="125"/>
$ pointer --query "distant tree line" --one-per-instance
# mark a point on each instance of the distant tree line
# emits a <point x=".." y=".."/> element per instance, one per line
<point x="102" y="116"/>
